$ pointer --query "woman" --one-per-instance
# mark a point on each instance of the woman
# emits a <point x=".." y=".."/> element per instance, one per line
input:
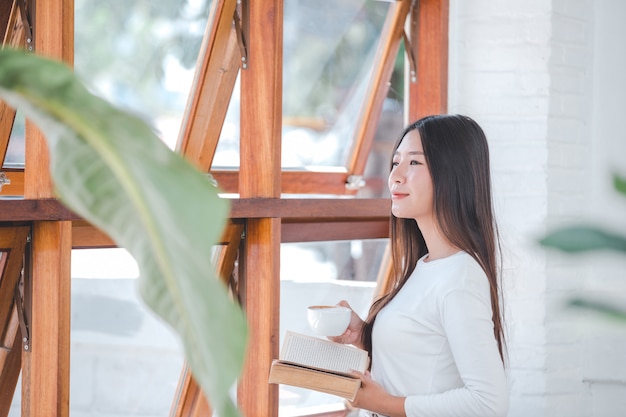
<point x="436" y="340"/>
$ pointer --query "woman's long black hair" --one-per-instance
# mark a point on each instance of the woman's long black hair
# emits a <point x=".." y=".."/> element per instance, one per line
<point x="457" y="155"/>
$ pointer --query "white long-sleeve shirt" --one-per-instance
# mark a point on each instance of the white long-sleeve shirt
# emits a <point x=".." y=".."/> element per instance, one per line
<point x="434" y="343"/>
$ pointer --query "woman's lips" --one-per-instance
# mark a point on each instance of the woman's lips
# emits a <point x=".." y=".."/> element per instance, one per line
<point x="397" y="196"/>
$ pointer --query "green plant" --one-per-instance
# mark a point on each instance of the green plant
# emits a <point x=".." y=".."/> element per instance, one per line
<point x="579" y="238"/>
<point x="110" y="168"/>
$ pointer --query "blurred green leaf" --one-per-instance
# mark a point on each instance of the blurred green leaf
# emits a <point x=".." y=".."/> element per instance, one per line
<point x="619" y="184"/>
<point x="111" y="169"/>
<point x="599" y="307"/>
<point x="584" y="238"/>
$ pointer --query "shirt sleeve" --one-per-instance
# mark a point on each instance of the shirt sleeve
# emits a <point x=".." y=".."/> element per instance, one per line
<point x="467" y="322"/>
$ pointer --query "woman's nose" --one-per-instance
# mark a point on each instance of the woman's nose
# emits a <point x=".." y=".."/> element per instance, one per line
<point x="395" y="176"/>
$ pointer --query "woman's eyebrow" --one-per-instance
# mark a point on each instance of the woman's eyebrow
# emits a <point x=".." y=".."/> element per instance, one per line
<point x="409" y="153"/>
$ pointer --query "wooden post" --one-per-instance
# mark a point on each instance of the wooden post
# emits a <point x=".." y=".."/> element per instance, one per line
<point x="45" y="373"/>
<point x="428" y="32"/>
<point x="260" y="167"/>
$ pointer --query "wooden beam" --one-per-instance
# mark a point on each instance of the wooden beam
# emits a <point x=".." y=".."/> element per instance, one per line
<point x="260" y="150"/>
<point x="261" y="101"/>
<point x="260" y="295"/>
<point x="319" y="231"/>
<point x="21" y="210"/>
<point x="318" y="208"/>
<point x="45" y="369"/>
<point x="384" y="62"/>
<point x="216" y="73"/>
<point x="428" y="32"/>
<point x="292" y="182"/>
<point x="45" y="372"/>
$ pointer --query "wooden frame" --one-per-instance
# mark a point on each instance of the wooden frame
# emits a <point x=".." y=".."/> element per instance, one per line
<point x="12" y="28"/>
<point x="45" y="366"/>
<point x="212" y="88"/>
<point x="260" y="182"/>
<point x="367" y="123"/>
<point x="215" y="77"/>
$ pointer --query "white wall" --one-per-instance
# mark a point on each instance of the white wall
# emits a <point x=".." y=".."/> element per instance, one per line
<point x="604" y="348"/>
<point x="545" y="80"/>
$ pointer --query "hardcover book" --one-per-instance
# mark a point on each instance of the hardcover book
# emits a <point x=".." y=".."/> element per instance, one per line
<point x="319" y="364"/>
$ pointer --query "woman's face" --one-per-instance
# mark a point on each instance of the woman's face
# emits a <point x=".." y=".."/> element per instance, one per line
<point x="410" y="183"/>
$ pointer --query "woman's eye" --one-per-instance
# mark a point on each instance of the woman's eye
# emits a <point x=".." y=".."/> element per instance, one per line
<point x="394" y="164"/>
<point x="415" y="163"/>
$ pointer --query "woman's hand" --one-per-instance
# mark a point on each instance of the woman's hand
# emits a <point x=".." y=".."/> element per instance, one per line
<point x="373" y="397"/>
<point x="352" y="335"/>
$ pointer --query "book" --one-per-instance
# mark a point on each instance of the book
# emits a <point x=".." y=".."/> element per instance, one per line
<point x="319" y="364"/>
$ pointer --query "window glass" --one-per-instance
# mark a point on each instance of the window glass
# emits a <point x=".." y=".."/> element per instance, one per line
<point x="323" y="273"/>
<point x="328" y="54"/>
<point x="125" y="360"/>
<point x="141" y="55"/>
<point x="15" y="155"/>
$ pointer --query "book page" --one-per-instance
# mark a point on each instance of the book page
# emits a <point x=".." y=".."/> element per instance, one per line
<point x="322" y="354"/>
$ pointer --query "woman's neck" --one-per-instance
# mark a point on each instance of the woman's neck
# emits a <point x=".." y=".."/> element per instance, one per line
<point x="438" y="246"/>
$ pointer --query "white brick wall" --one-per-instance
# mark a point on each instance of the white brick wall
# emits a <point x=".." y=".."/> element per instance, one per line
<point x="545" y="80"/>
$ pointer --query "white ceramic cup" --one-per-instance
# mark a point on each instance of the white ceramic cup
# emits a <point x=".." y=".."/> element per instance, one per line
<point x="328" y="320"/>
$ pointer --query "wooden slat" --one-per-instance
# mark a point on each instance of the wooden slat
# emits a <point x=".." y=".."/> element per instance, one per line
<point x="10" y="369"/>
<point x="8" y="332"/>
<point x="378" y="86"/>
<point x="189" y="400"/>
<point x="12" y="242"/>
<point x="216" y="73"/>
<point x="14" y="38"/>
<point x="294" y="182"/>
<point x="12" y="246"/>
<point x="225" y="261"/>
<point x="428" y="31"/>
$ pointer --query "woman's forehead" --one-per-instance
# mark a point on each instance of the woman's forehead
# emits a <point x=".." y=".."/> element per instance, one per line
<point x="411" y="143"/>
